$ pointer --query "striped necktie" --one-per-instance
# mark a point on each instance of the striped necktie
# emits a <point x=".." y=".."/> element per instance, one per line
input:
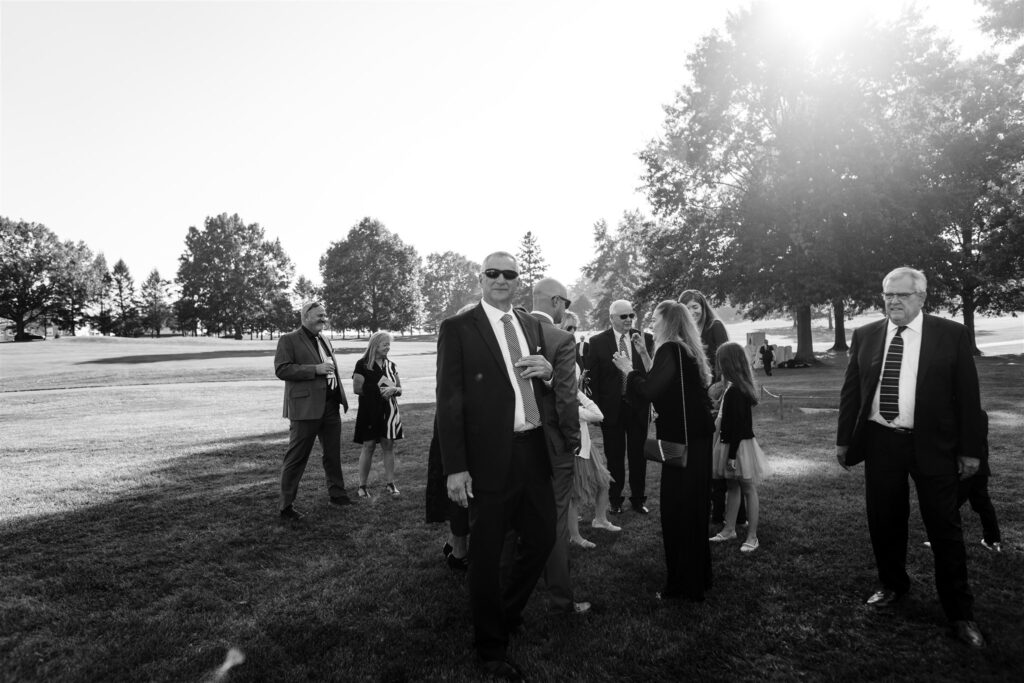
<point x="525" y="386"/>
<point x="623" y="349"/>
<point x="889" y="395"/>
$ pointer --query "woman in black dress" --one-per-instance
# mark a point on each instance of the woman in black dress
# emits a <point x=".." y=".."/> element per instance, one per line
<point x="375" y="380"/>
<point x="684" y="491"/>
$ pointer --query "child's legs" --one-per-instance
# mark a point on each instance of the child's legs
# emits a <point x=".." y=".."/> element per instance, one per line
<point x="732" y="505"/>
<point x="601" y="505"/>
<point x="388" y="447"/>
<point x="753" y="507"/>
<point x="365" y="458"/>
<point x="573" y="520"/>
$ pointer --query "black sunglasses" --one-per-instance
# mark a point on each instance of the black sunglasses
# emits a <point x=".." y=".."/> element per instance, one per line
<point x="493" y="273"/>
<point x="627" y="316"/>
<point x="568" y="302"/>
<point x="570" y="328"/>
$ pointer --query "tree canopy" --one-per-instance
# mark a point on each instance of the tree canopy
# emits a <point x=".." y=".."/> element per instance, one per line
<point x="371" y="280"/>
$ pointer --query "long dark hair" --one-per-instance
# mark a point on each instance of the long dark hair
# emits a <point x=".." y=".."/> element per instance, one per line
<point x="707" y="315"/>
<point x="734" y="367"/>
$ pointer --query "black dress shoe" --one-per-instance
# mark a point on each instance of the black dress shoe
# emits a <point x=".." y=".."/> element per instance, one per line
<point x="291" y="513"/>
<point x="883" y="597"/>
<point x="459" y="564"/>
<point x="341" y="500"/>
<point x="967" y="632"/>
<point x="502" y="668"/>
<point x="446" y="549"/>
<point x="642" y="509"/>
<point x="615" y="509"/>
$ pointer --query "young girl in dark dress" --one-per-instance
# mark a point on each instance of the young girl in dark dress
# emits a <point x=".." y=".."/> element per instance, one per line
<point x="375" y="380"/>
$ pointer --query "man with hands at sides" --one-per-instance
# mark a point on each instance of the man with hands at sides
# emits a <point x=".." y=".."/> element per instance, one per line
<point x="910" y="405"/>
<point x="491" y="371"/>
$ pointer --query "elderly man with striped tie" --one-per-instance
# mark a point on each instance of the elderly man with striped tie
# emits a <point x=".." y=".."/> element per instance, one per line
<point x="910" y="406"/>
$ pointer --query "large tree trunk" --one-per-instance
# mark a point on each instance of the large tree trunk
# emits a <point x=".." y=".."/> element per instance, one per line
<point x="840" y="329"/>
<point x="804" y="340"/>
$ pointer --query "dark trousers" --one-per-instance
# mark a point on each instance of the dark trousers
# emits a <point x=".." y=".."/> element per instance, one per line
<point x="556" y="571"/>
<point x="684" y="523"/>
<point x="890" y="459"/>
<point x="526" y="506"/>
<point x="301" y="435"/>
<point x="975" y="490"/>
<point x="621" y="438"/>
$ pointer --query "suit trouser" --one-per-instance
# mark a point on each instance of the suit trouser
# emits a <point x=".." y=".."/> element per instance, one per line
<point x="556" y="571"/>
<point x="684" y="523"/>
<point x="301" y="435"/>
<point x="622" y="438"/>
<point x="890" y="459"/>
<point x="975" y="489"/>
<point x="527" y="506"/>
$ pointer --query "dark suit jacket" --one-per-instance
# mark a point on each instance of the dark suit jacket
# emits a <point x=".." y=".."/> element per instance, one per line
<point x="605" y="378"/>
<point x="559" y="407"/>
<point x="947" y="412"/>
<point x="305" y="392"/>
<point x="475" y="400"/>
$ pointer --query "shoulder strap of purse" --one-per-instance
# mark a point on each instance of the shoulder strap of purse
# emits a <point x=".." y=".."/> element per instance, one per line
<point x="682" y="390"/>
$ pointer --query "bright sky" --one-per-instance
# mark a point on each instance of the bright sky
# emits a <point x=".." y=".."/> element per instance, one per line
<point x="459" y="124"/>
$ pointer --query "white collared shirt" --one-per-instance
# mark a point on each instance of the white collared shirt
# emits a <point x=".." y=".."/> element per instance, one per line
<point x="908" y="373"/>
<point x="494" y="315"/>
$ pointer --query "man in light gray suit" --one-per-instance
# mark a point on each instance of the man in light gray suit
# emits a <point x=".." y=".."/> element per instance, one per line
<point x="313" y="398"/>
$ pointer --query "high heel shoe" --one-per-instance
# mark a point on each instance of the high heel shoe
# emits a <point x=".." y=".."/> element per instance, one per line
<point x="363" y="493"/>
<point x="583" y="543"/>
<point x="605" y="524"/>
<point x="723" y="536"/>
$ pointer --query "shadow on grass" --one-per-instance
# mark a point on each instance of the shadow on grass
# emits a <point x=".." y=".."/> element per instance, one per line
<point x="158" y="584"/>
<point x="199" y="355"/>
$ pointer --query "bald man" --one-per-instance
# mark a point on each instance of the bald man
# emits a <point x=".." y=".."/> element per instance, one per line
<point x="560" y="413"/>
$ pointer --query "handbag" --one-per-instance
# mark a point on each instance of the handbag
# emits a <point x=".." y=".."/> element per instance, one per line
<point x="665" y="452"/>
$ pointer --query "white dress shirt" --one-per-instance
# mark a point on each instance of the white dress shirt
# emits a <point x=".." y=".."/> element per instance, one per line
<point x="908" y="374"/>
<point x="494" y="315"/>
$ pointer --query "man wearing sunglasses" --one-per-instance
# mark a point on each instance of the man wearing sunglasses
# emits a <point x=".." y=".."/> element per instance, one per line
<point x="910" y="406"/>
<point x="491" y="374"/>
<point x="562" y="429"/>
<point x="624" y="428"/>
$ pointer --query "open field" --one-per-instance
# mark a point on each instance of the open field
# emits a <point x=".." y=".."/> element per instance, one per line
<point x="139" y="541"/>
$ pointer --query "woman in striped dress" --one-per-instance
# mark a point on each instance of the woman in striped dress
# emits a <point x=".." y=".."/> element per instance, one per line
<point x="375" y="380"/>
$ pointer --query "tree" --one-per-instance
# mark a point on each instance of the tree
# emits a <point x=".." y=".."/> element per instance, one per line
<point x="103" y="320"/>
<point x="531" y="268"/>
<point x="231" y="272"/>
<point x="126" y="305"/>
<point x="30" y="256"/>
<point x="786" y="177"/>
<point x="77" y="284"/>
<point x="619" y="265"/>
<point x="371" y="280"/>
<point x="153" y="302"/>
<point x="304" y="290"/>
<point x="976" y="139"/>
<point x="186" y="316"/>
<point x="450" y="281"/>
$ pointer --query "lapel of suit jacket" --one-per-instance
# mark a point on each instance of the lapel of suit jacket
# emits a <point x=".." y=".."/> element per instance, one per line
<point x="927" y="354"/>
<point x="876" y="345"/>
<point x="483" y="326"/>
<point x="308" y="342"/>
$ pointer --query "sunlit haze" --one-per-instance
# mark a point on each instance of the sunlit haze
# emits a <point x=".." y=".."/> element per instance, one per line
<point x="460" y="125"/>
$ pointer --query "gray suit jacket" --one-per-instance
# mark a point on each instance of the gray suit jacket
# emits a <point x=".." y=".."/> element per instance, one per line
<point x="305" y="392"/>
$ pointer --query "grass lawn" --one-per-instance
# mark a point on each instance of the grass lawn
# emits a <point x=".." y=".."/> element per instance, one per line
<point x="139" y="540"/>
